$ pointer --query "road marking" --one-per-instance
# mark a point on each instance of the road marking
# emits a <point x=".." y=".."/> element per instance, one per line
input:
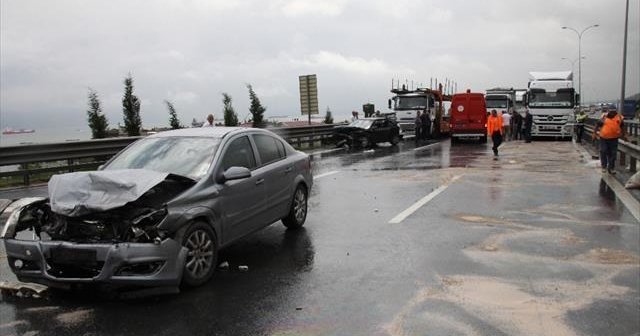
<point x="623" y="195"/>
<point x="417" y="205"/>
<point x="427" y="146"/>
<point x="326" y="174"/>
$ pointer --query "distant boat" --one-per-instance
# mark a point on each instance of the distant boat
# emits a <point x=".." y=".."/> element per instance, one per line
<point x="8" y="131"/>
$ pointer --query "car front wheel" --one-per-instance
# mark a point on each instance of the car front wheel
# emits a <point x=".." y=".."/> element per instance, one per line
<point x="202" y="254"/>
<point x="298" y="211"/>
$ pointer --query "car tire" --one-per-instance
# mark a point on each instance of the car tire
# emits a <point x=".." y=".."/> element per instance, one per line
<point x="483" y="139"/>
<point x="298" y="211"/>
<point x="202" y="255"/>
<point x="364" y="142"/>
<point x="454" y="140"/>
<point x="395" y="139"/>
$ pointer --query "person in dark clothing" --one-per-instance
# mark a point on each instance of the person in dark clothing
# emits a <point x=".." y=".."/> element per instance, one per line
<point x="528" y="124"/>
<point x="517" y="126"/>
<point x="425" y="120"/>
<point x="418" y="126"/>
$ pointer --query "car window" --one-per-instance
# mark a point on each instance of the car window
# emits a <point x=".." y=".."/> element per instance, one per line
<point x="281" y="150"/>
<point x="377" y="123"/>
<point x="267" y="148"/>
<point x="239" y="154"/>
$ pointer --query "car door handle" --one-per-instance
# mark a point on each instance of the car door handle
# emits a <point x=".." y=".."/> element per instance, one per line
<point x="288" y="170"/>
<point x="260" y="181"/>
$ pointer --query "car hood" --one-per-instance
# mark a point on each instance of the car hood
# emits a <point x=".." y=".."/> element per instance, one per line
<point x="348" y="129"/>
<point x="81" y="193"/>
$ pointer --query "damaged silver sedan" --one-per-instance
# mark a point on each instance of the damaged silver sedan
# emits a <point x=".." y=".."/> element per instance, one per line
<point x="158" y="212"/>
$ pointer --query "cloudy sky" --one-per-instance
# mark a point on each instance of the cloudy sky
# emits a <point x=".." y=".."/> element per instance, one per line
<point x="190" y="51"/>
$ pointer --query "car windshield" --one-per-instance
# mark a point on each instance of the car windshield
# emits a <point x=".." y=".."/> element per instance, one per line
<point x="551" y="99"/>
<point x="496" y="103"/>
<point x="362" y="123"/>
<point x="186" y="156"/>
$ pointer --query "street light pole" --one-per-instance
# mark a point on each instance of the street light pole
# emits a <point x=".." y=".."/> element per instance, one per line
<point x="573" y="63"/>
<point x="580" y="57"/>
<point x="624" y="60"/>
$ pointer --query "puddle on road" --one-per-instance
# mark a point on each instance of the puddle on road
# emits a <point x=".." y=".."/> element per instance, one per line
<point x="75" y="317"/>
<point x="610" y="257"/>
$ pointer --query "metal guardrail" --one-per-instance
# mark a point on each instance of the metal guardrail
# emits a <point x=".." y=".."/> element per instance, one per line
<point x="628" y="151"/>
<point x="89" y="154"/>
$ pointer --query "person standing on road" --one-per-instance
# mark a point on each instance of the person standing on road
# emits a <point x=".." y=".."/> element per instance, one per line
<point x="425" y="120"/>
<point x="209" y="122"/>
<point x="506" y="122"/>
<point x="517" y="126"/>
<point x="580" y="118"/>
<point x="495" y="131"/>
<point x="610" y="129"/>
<point x="418" y="126"/>
<point x="528" y="124"/>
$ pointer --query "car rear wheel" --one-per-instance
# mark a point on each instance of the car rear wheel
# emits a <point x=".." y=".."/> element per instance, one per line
<point x="298" y="211"/>
<point x="364" y="142"/>
<point x="202" y="254"/>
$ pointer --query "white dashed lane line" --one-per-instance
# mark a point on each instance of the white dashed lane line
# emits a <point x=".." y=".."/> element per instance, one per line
<point x="325" y="174"/>
<point x="417" y="205"/>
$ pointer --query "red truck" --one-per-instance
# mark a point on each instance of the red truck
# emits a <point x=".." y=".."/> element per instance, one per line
<point x="468" y="116"/>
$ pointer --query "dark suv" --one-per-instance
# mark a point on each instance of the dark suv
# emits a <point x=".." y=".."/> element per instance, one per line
<point x="366" y="132"/>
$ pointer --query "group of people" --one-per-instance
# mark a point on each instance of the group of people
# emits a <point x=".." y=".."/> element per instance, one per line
<point x="422" y="125"/>
<point x="505" y="127"/>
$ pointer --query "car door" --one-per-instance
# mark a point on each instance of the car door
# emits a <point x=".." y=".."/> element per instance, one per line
<point x="380" y="131"/>
<point x="278" y="175"/>
<point x="244" y="200"/>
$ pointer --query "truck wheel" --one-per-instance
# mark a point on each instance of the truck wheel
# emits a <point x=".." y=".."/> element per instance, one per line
<point x="202" y="254"/>
<point x="298" y="211"/>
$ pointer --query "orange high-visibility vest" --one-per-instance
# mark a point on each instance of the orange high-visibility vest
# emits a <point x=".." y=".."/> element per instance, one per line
<point x="494" y="124"/>
<point x="611" y="127"/>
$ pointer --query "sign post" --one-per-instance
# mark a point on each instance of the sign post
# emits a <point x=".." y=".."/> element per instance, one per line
<point x="309" y="95"/>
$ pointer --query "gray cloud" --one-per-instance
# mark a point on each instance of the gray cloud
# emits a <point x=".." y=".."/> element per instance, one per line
<point x="193" y="50"/>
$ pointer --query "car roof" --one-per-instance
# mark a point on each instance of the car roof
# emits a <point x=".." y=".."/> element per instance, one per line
<point x="212" y="132"/>
<point x="373" y="118"/>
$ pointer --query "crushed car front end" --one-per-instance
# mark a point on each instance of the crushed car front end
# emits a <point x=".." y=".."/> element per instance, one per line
<point x="123" y="246"/>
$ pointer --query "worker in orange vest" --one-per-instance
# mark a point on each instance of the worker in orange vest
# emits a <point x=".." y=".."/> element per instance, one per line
<point x="609" y="129"/>
<point x="495" y="130"/>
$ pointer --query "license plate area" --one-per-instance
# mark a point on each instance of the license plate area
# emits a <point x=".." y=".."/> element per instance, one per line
<point x="62" y="255"/>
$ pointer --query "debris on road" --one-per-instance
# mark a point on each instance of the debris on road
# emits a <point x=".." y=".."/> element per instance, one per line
<point x="23" y="289"/>
<point x="224" y="265"/>
<point x="243" y="268"/>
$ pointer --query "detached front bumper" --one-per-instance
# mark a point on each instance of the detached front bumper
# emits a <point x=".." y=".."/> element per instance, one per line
<point x="59" y="263"/>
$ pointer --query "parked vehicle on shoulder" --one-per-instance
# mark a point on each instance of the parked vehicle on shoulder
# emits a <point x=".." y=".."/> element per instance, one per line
<point x="158" y="212"/>
<point x="367" y="132"/>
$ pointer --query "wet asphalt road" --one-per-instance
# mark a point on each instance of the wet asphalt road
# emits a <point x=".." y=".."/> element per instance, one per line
<point x="534" y="243"/>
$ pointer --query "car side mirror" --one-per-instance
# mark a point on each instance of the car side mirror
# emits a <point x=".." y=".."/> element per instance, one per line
<point x="235" y="173"/>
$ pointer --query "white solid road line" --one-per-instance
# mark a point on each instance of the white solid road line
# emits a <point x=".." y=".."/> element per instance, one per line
<point x="417" y="205"/>
<point x="326" y="174"/>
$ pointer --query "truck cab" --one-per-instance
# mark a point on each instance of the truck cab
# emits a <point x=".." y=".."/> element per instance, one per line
<point x="468" y="117"/>
<point x="551" y="100"/>
<point x="407" y="103"/>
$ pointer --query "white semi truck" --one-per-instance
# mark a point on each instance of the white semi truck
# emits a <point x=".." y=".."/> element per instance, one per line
<point x="551" y="100"/>
<point x="501" y="100"/>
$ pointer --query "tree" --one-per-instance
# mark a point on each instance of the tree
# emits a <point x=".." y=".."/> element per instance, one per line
<point x="256" y="109"/>
<point x="131" y="109"/>
<point x="97" y="120"/>
<point x="230" y="116"/>
<point x="174" y="122"/>
<point x="328" y="118"/>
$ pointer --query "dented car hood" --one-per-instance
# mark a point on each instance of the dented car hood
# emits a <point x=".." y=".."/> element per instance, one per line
<point x="81" y="193"/>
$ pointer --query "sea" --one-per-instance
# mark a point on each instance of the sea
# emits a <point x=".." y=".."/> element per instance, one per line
<point x="46" y="135"/>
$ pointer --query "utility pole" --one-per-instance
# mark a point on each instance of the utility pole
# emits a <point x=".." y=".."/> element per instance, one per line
<point x="580" y="56"/>
<point x="624" y="59"/>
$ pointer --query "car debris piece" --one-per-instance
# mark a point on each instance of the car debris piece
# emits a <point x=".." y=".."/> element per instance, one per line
<point x="23" y="289"/>
<point x="243" y="268"/>
<point x="223" y="265"/>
